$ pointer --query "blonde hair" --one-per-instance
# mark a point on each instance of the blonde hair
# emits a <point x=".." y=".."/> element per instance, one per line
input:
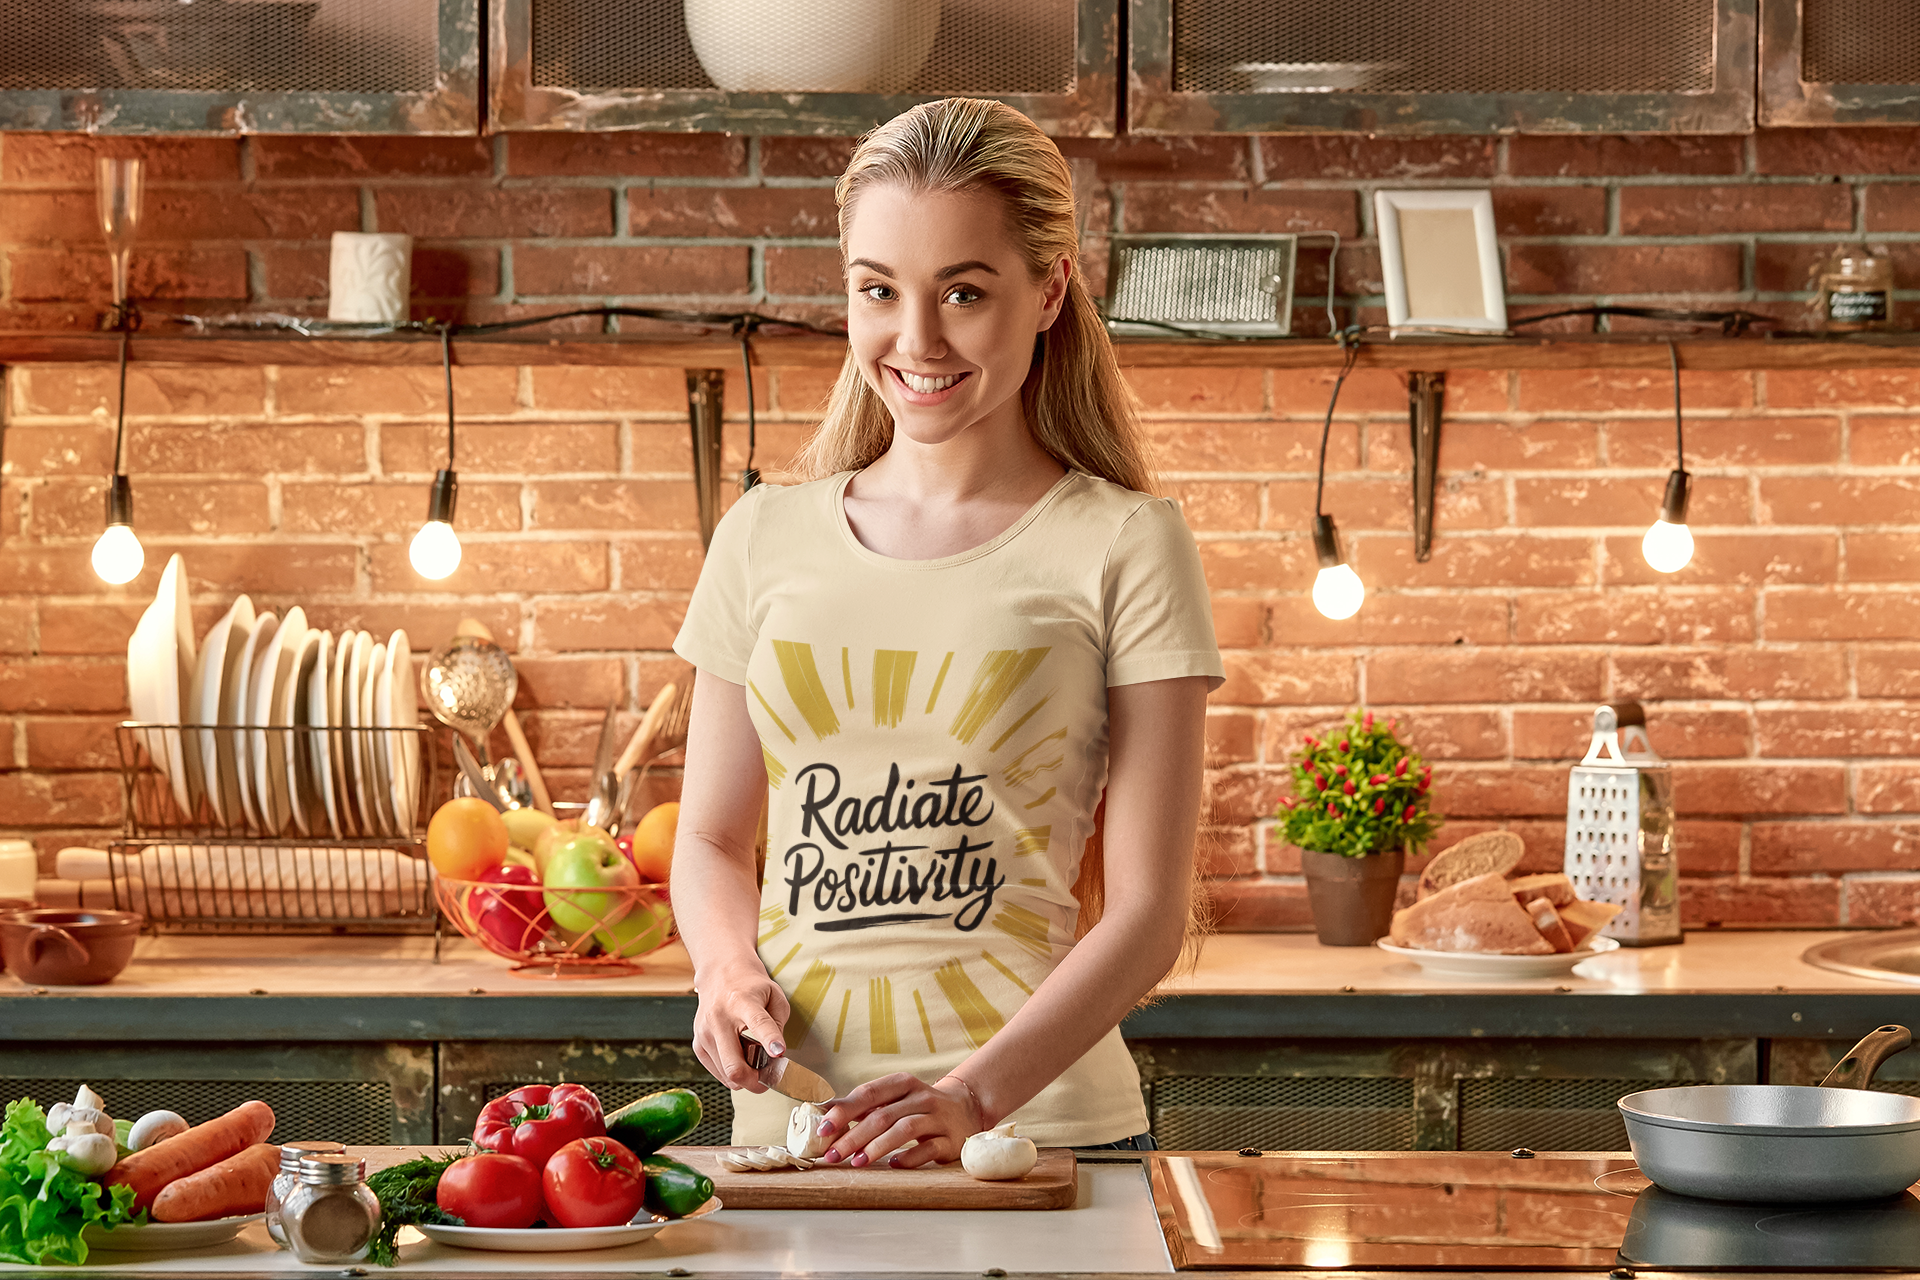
<point x="1077" y="406"/>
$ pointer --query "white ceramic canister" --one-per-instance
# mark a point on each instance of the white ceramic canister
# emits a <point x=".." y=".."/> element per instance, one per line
<point x="827" y="46"/>
<point x="371" y="277"/>
<point x="19" y="869"/>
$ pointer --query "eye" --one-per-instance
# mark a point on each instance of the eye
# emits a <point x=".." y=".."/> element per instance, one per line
<point x="963" y="295"/>
<point x="878" y="292"/>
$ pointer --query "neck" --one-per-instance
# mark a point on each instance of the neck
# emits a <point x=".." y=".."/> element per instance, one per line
<point x="996" y="457"/>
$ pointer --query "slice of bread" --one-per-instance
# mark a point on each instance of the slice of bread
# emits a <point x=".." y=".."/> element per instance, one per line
<point x="1547" y="921"/>
<point x="1491" y="852"/>
<point x="1477" y="914"/>
<point x="1584" y="919"/>
<point x="1551" y="885"/>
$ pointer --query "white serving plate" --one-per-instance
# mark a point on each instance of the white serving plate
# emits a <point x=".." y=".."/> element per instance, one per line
<point x="160" y="674"/>
<point x="559" y="1239"/>
<point x="156" y="1236"/>
<point x="1479" y="964"/>
<point x="379" y="788"/>
<point x="235" y="707"/>
<point x="213" y="677"/>
<point x="267" y="709"/>
<point x="292" y="710"/>
<point x="354" y="709"/>
<point x="319" y="745"/>
<point x="396" y="706"/>
<point x="342" y="743"/>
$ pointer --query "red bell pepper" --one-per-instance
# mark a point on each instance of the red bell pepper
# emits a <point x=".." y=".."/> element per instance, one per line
<point x="536" y="1120"/>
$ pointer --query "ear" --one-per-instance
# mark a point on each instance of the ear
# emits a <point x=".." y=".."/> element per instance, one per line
<point x="1053" y="292"/>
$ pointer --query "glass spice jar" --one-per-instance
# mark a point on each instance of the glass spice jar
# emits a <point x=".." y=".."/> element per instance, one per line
<point x="1854" y="290"/>
<point x="331" y="1215"/>
<point x="289" y="1177"/>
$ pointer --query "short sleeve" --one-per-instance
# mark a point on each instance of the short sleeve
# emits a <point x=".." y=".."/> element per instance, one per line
<point x="718" y="633"/>
<point x="1158" y="615"/>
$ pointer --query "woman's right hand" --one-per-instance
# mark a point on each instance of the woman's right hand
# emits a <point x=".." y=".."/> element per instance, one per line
<point x="741" y="1001"/>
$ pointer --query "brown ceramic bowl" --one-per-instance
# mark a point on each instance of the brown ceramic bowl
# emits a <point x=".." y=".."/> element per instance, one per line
<point x="65" y="948"/>
<point x="8" y="905"/>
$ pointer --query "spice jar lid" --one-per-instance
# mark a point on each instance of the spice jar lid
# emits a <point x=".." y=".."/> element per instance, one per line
<point x="332" y="1170"/>
<point x="291" y="1153"/>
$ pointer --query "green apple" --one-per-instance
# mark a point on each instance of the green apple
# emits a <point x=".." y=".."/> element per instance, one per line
<point x="644" y="928"/>
<point x="525" y="825"/>
<point x="552" y="837"/>
<point x="584" y="863"/>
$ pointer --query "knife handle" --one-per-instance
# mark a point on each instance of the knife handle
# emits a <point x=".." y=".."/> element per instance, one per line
<point x="754" y="1052"/>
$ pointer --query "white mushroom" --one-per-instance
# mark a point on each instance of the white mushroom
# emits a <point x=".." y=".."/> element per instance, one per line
<point x="997" y="1154"/>
<point x="85" y="1097"/>
<point x="84" y="1150"/>
<point x="65" y="1117"/>
<point x="803" y="1131"/>
<point x="155" y="1126"/>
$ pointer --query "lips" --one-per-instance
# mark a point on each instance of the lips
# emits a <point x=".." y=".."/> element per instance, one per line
<point x="920" y="390"/>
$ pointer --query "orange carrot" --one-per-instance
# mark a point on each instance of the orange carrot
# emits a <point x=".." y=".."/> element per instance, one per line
<point x="200" y="1147"/>
<point x="233" y="1186"/>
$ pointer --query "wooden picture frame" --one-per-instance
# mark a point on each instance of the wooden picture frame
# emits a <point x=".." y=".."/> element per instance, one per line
<point x="1441" y="261"/>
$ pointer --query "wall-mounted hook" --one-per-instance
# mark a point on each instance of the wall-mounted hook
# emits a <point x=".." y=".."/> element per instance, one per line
<point x="1424" y="394"/>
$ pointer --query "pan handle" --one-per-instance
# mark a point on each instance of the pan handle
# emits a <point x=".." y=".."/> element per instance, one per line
<point x="1855" y="1071"/>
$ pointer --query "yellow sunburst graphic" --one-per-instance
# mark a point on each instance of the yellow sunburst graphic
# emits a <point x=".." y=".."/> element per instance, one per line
<point x="997" y="678"/>
<point x="802" y="678"/>
<point x="806" y="1001"/>
<point x="883" y="1033"/>
<point x="772" y="920"/>
<point x="1028" y="928"/>
<point x="776" y="772"/>
<point x="979" y="1020"/>
<point x="892" y="679"/>
<point x="1031" y="840"/>
<point x="1023" y="768"/>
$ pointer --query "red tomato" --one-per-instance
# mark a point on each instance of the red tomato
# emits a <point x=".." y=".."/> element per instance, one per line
<point x="491" y="1190"/>
<point x="593" y="1182"/>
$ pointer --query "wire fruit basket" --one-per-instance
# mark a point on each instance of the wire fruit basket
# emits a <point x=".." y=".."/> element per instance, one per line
<point x="295" y="829"/>
<point x="560" y="933"/>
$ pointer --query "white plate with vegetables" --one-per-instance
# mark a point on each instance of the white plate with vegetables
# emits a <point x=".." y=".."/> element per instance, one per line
<point x="559" y="1239"/>
<point x="157" y="1236"/>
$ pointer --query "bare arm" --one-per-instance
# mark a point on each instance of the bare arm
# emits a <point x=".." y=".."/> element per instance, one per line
<point x="716" y="896"/>
<point x="1153" y="807"/>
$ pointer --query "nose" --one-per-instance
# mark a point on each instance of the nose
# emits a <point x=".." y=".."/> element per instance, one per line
<point x="920" y="337"/>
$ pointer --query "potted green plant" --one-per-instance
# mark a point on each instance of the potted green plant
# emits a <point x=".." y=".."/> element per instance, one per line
<point x="1359" y="806"/>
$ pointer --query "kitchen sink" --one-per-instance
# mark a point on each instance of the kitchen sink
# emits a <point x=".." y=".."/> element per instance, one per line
<point x="1893" y="956"/>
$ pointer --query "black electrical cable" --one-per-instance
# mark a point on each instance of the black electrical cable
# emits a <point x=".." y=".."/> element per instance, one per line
<point x="1679" y="435"/>
<point x="1730" y="322"/>
<point x="446" y="367"/>
<point x="120" y="413"/>
<point x="748" y="477"/>
<point x="1352" y="348"/>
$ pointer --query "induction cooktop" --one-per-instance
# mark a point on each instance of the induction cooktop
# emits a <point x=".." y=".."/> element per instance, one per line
<point x="1443" y="1210"/>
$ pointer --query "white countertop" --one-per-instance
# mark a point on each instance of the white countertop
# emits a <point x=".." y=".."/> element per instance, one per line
<point x="1112" y="1228"/>
<point x="1710" y="961"/>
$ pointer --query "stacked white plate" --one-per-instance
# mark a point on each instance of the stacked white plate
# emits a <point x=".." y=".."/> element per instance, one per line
<point x="259" y="684"/>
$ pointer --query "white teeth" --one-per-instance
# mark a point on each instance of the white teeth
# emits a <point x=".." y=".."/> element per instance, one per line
<point x="927" y="386"/>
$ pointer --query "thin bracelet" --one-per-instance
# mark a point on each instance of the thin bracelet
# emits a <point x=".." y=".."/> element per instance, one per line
<point x="977" y="1108"/>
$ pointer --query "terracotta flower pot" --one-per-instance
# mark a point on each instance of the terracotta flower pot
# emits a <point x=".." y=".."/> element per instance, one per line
<point x="1352" y="898"/>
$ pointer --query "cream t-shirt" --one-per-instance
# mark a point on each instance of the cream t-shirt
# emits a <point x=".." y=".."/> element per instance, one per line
<point x="935" y="736"/>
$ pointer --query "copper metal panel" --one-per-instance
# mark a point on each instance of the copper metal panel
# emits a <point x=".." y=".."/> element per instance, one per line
<point x="1449" y="66"/>
<point x="1839" y="62"/>
<point x="630" y="64"/>
<point x="1341" y="1210"/>
<point x="227" y="66"/>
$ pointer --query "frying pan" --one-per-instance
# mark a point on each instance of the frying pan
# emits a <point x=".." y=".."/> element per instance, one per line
<point x="1783" y="1143"/>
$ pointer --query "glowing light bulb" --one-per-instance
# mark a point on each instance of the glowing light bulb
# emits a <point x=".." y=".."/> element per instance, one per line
<point x="118" y="555"/>
<point x="1338" y="592"/>
<point x="1669" y="543"/>
<point x="1667" y="546"/>
<point x="435" y="550"/>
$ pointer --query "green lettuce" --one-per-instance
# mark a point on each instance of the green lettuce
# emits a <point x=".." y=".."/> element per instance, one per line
<point x="43" y="1204"/>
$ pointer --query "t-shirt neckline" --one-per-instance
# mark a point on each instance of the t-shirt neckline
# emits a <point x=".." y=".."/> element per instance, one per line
<point x="1001" y="539"/>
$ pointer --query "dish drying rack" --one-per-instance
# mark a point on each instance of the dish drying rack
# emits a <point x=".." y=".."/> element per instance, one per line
<point x="201" y="873"/>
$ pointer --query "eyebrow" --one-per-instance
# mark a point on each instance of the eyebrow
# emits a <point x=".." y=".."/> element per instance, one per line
<point x="945" y="273"/>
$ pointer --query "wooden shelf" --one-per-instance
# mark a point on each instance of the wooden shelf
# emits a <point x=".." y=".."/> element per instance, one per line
<point x="811" y="351"/>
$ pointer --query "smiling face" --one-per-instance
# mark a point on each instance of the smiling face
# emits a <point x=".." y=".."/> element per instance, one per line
<point x="941" y="313"/>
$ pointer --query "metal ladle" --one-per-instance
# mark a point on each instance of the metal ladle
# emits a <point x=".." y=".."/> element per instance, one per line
<point x="468" y="684"/>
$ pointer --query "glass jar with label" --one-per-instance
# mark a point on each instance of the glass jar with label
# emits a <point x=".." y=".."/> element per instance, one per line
<point x="331" y="1215"/>
<point x="1854" y="290"/>
<point x="289" y="1177"/>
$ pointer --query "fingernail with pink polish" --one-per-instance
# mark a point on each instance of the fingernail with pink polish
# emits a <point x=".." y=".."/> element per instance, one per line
<point x="826" y="1127"/>
<point x="859" y="1161"/>
<point x="831" y="1157"/>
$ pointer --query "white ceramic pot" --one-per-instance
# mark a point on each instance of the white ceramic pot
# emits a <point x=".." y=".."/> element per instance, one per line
<point x="820" y="46"/>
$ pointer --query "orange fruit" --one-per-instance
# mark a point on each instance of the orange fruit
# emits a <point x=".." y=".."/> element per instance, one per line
<point x="466" y="839"/>
<point x="653" y="842"/>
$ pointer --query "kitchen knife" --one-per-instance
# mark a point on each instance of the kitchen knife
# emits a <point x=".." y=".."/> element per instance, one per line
<point x="784" y="1076"/>
<point x="475" y="776"/>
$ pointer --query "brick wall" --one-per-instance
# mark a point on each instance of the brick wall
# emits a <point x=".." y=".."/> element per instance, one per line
<point x="1781" y="666"/>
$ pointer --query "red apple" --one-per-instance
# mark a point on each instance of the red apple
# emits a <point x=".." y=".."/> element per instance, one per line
<point x="517" y="919"/>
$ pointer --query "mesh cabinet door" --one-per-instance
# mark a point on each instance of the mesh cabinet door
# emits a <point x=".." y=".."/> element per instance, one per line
<point x="1839" y="62"/>
<point x="780" y="66"/>
<point x="240" y="66"/>
<point x="1442" y="66"/>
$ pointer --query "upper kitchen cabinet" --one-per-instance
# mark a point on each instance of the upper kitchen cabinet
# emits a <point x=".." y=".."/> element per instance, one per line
<point x="1839" y="62"/>
<point x="240" y="66"/>
<point x="1442" y="66"/>
<point x="782" y="66"/>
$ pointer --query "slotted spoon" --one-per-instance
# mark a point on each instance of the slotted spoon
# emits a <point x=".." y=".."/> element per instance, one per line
<point x="468" y="684"/>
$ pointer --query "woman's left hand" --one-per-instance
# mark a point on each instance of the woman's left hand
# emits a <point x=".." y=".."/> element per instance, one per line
<point x="880" y="1117"/>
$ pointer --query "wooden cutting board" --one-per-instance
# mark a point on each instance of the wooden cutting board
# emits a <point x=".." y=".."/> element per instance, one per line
<point x="1054" y="1183"/>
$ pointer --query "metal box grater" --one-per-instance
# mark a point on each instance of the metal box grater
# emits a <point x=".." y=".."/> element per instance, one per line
<point x="1240" y="285"/>
<point x="1620" y="829"/>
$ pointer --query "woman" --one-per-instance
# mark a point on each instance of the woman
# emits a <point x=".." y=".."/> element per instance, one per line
<point x="937" y="653"/>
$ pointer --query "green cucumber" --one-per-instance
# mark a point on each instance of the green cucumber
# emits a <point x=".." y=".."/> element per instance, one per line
<point x="650" y="1123"/>
<point x="674" y="1190"/>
